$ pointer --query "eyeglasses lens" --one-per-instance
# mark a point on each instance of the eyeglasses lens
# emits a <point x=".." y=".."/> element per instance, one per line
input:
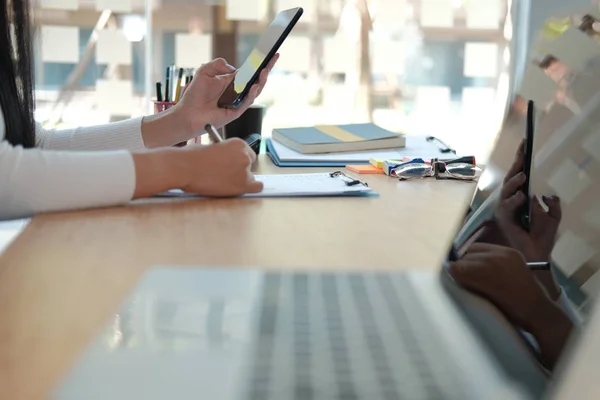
<point x="465" y="171"/>
<point x="413" y="171"/>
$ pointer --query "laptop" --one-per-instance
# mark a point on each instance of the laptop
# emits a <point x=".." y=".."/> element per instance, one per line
<point x="256" y="334"/>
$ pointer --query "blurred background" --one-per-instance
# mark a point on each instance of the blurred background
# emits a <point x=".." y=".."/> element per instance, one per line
<point x="423" y="67"/>
<point x="426" y="67"/>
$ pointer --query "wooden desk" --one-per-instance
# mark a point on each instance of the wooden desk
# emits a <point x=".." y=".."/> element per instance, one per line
<point x="61" y="279"/>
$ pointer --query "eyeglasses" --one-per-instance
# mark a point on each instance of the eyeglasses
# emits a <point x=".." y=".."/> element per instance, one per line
<point x="438" y="169"/>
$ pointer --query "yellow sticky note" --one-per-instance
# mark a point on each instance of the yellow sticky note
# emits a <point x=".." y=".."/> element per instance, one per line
<point x="376" y="163"/>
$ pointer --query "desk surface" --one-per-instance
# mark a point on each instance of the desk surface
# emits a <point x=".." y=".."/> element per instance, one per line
<point x="65" y="274"/>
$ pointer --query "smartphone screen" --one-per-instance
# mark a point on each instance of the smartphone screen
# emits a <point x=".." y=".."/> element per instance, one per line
<point x="267" y="46"/>
<point x="524" y="212"/>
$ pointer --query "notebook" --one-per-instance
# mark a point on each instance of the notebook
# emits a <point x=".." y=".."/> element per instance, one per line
<point x="338" y="138"/>
<point x="300" y="185"/>
<point x="416" y="147"/>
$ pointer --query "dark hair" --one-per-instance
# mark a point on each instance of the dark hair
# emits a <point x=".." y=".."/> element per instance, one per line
<point x="16" y="73"/>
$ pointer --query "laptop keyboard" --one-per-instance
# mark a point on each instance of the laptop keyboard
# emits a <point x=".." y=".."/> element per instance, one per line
<point x="348" y="336"/>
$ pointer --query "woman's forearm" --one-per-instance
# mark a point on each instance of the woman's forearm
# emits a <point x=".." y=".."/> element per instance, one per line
<point x="157" y="171"/>
<point x="167" y="128"/>
<point x="34" y="181"/>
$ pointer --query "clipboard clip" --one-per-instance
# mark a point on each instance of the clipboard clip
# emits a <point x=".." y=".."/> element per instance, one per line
<point x="347" y="180"/>
<point x="445" y="149"/>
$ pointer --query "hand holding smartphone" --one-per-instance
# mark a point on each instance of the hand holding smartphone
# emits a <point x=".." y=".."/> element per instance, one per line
<point x="266" y="48"/>
<point x="523" y="213"/>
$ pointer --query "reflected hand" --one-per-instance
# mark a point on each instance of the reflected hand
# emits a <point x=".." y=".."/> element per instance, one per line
<point x="500" y="275"/>
<point x="199" y="106"/>
<point x="537" y="244"/>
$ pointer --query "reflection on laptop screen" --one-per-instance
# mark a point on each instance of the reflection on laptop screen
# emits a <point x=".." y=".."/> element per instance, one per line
<point x="566" y="163"/>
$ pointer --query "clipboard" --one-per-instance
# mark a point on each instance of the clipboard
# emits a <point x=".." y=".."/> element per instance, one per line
<point x="334" y="184"/>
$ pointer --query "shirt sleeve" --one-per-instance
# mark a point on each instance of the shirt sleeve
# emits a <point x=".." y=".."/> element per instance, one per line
<point x="35" y="180"/>
<point x="123" y="135"/>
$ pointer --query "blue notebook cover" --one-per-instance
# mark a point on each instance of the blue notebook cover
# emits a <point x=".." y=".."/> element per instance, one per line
<point x="336" y="138"/>
<point x="322" y="134"/>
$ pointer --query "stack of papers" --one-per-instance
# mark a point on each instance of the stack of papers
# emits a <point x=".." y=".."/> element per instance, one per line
<point x="297" y="185"/>
<point x="416" y="147"/>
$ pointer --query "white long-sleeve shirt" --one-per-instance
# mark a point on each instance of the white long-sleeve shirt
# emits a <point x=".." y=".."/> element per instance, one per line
<point x="69" y="169"/>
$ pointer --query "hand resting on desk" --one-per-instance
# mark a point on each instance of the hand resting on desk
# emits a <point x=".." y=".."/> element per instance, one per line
<point x="219" y="170"/>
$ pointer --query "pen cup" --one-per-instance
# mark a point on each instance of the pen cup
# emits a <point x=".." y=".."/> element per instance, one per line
<point x="160" y="106"/>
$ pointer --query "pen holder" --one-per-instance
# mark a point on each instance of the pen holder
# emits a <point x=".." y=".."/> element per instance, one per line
<point x="160" y="106"/>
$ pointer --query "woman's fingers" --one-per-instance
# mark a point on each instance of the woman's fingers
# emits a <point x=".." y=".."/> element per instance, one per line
<point x="537" y="211"/>
<point x="272" y="62"/>
<point x="511" y="186"/>
<point x="252" y="95"/>
<point x="262" y="80"/>
<point x="517" y="164"/>
<point x="254" y="186"/>
<point x="511" y="204"/>
<point x="216" y="67"/>
<point x="554" y="208"/>
<point x="264" y="74"/>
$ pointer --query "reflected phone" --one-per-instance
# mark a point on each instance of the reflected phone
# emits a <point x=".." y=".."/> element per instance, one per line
<point x="266" y="48"/>
<point x="523" y="213"/>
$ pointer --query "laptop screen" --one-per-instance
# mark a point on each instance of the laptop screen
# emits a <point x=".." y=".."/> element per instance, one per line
<point x="564" y="82"/>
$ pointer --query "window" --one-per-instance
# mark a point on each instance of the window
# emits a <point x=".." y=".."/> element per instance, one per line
<point x="436" y="66"/>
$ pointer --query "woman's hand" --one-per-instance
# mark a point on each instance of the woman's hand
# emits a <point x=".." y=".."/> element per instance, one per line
<point x="199" y="103"/>
<point x="218" y="170"/>
<point x="198" y="106"/>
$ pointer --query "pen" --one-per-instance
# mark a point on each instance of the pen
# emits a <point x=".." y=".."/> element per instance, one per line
<point x="172" y="79"/>
<point x="184" y="89"/>
<point x="213" y="133"/>
<point x="167" y="97"/>
<point x="159" y="92"/>
<point x="538" y="266"/>
<point x="178" y="87"/>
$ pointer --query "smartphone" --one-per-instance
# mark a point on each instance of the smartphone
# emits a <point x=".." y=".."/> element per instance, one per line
<point x="523" y="214"/>
<point x="266" y="48"/>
